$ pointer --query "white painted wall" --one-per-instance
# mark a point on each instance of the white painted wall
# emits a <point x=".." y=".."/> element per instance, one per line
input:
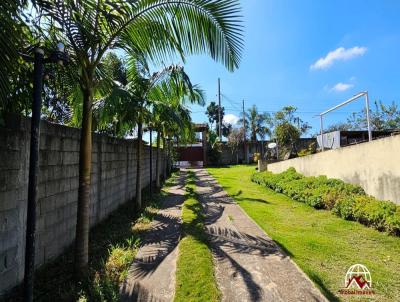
<point x="375" y="166"/>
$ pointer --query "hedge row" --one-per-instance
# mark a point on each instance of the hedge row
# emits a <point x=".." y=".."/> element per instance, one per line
<point x="345" y="200"/>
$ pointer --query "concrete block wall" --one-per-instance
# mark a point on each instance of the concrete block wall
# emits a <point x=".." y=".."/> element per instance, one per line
<point x="113" y="183"/>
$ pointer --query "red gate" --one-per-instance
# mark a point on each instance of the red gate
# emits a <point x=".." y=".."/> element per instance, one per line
<point x="193" y="155"/>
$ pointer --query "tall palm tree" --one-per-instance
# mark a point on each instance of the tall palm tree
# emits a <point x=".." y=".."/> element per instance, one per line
<point x="167" y="116"/>
<point x="154" y="99"/>
<point x="158" y="28"/>
<point x="264" y="122"/>
<point x="254" y="123"/>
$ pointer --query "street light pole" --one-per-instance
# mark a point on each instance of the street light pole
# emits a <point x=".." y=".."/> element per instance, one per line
<point x="151" y="162"/>
<point x="59" y="57"/>
<point x="33" y="174"/>
<point x="368" y="117"/>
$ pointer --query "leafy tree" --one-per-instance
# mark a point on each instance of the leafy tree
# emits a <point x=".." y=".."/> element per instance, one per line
<point x="286" y="134"/>
<point x="288" y="127"/>
<point x="226" y="129"/>
<point x="382" y="117"/>
<point x="213" y="115"/>
<point x="235" y="139"/>
<point x="13" y="34"/>
<point x="288" y="115"/>
<point x="157" y="28"/>
<point x="337" y="127"/>
<point x="115" y="68"/>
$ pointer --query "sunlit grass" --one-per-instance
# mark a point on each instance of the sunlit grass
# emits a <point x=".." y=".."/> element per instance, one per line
<point x="323" y="245"/>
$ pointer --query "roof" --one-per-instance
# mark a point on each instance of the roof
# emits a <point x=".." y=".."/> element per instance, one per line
<point x="200" y="127"/>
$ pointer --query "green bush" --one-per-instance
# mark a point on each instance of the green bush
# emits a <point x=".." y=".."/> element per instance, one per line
<point x="393" y="222"/>
<point x="345" y="200"/>
<point x="370" y="211"/>
<point x="344" y="207"/>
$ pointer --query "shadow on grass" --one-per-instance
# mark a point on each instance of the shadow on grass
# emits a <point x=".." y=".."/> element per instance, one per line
<point x="252" y="199"/>
<point x="327" y="293"/>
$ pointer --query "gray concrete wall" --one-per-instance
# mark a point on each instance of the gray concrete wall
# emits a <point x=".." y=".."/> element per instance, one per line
<point x="113" y="183"/>
<point x="375" y="166"/>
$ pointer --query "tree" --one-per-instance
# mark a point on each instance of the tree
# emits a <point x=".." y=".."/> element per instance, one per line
<point x="149" y="95"/>
<point x="286" y="134"/>
<point x="337" y="127"/>
<point x="13" y="34"/>
<point x="165" y="119"/>
<point x="264" y="129"/>
<point x="256" y="123"/>
<point x="157" y="28"/>
<point x="383" y="117"/>
<point x="288" y="127"/>
<point x="226" y="129"/>
<point x="213" y="111"/>
<point x="235" y="139"/>
<point x="288" y="115"/>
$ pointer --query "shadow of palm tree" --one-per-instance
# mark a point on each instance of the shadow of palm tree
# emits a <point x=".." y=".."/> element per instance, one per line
<point x="159" y="241"/>
<point x="138" y="293"/>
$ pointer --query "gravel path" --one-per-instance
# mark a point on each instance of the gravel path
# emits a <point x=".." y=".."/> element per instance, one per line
<point x="249" y="265"/>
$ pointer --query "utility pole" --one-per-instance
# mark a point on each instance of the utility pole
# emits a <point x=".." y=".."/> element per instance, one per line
<point x="219" y="110"/>
<point x="244" y="134"/>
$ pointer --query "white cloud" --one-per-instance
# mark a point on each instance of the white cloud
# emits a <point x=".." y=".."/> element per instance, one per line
<point x="231" y="119"/>
<point x="339" y="54"/>
<point x="340" y="87"/>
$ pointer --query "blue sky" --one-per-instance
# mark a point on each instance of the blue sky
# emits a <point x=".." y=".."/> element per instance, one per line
<point x="357" y="44"/>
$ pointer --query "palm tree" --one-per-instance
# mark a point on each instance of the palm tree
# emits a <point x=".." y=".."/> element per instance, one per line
<point x="154" y="99"/>
<point x="158" y="28"/>
<point x="254" y="123"/>
<point x="167" y="116"/>
<point x="264" y="127"/>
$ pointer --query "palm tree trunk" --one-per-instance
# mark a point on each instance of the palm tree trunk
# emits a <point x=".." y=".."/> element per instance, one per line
<point x="139" y="167"/>
<point x="165" y="158"/>
<point x="151" y="163"/>
<point x="262" y="149"/>
<point x="83" y="214"/>
<point x="158" y="161"/>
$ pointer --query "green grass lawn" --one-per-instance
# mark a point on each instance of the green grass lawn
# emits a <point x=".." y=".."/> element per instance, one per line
<point x="195" y="280"/>
<point x="323" y="245"/>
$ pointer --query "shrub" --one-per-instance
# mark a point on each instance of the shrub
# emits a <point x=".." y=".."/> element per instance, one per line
<point x="345" y="200"/>
<point x="369" y="211"/>
<point x="344" y="207"/>
<point x="393" y="223"/>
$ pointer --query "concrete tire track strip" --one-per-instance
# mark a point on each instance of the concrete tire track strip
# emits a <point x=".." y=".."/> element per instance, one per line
<point x="151" y="276"/>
